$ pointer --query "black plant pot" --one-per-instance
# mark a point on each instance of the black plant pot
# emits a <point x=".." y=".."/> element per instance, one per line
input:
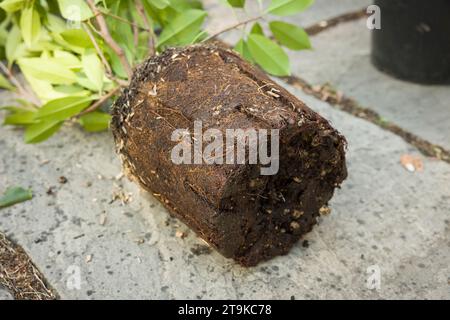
<point x="414" y="40"/>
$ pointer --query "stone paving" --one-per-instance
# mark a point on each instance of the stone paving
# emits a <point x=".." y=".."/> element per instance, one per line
<point x="384" y="219"/>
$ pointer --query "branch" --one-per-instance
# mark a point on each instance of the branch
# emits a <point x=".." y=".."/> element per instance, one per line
<point x="148" y="26"/>
<point x="99" y="51"/>
<point x="99" y="102"/>
<point x="237" y="25"/>
<point x="22" y="91"/>
<point x="104" y="31"/>
<point x="109" y="72"/>
<point x="109" y="14"/>
<point x="135" y="36"/>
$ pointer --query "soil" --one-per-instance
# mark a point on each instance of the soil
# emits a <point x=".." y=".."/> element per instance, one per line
<point x="244" y="215"/>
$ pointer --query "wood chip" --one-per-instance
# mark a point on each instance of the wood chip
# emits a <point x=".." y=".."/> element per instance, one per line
<point x="324" y="211"/>
<point x="411" y="163"/>
<point x="102" y="220"/>
<point x="180" y="234"/>
<point x="44" y="162"/>
<point x="88" y="258"/>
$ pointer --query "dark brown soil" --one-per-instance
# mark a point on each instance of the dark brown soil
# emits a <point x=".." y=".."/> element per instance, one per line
<point x="244" y="215"/>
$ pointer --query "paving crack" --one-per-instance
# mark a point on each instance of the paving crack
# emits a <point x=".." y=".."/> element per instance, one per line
<point x="340" y="101"/>
<point x="323" y="25"/>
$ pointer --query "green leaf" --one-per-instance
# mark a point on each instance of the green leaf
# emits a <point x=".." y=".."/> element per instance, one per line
<point x="71" y="90"/>
<point x="200" y="37"/>
<point x="242" y="48"/>
<point x="67" y="59"/>
<point x="42" y="88"/>
<point x="41" y="131"/>
<point x="257" y="29"/>
<point x="55" y="23"/>
<point x="183" y="5"/>
<point x="183" y="29"/>
<point x="30" y="25"/>
<point x="268" y="55"/>
<point x="14" y="47"/>
<point x="13" y="108"/>
<point x="288" y="7"/>
<point x="116" y="65"/>
<point x="77" y="37"/>
<point x="4" y="83"/>
<point x="95" y="121"/>
<point x="290" y="35"/>
<point x="159" y="4"/>
<point x="12" y="5"/>
<point x="237" y="3"/>
<point x="50" y="70"/>
<point x="86" y="83"/>
<point x="58" y="39"/>
<point x="63" y="108"/>
<point x="93" y="68"/>
<point x="75" y="10"/>
<point x="21" y="118"/>
<point x="15" y="195"/>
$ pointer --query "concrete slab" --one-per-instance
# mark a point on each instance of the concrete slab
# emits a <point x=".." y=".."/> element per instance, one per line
<point x="385" y="219"/>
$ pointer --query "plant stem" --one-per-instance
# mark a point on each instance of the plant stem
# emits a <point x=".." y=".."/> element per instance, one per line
<point x="97" y="104"/>
<point x="237" y="25"/>
<point x="104" y="31"/>
<point x="123" y="20"/>
<point x="21" y="90"/>
<point x="99" y="51"/>
<point x="109" y="72"/>
<point x="135" y="35"/>
<point x="149" y="27"/>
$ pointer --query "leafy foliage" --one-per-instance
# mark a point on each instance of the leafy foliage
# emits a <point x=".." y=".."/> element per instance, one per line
<point x="75" y="55"/>
<point x="14" y="195"/>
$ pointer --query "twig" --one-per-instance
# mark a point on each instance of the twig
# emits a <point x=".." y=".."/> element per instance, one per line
<point x="232" y="27"/>
<point x="109" y="72"/>
<point x="109" y="40"/>
<point x="123" y="20"/>
<point x="22" y="91"/>
<point x="99" y="51"/>
<point x="99" y="102"/>
<point x="149" y="27"/>
<point x="135" y="36"/>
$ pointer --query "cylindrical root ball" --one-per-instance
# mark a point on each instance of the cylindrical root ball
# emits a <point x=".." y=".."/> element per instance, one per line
<point x="246" y="213"/>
